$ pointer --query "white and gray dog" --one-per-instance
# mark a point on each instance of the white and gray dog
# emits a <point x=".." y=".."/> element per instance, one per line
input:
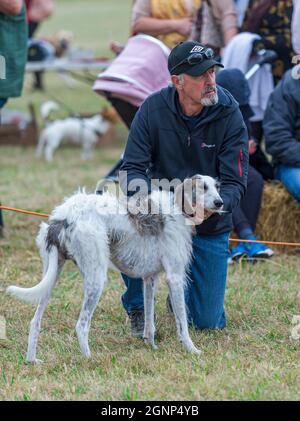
<point x="98" y="231"/>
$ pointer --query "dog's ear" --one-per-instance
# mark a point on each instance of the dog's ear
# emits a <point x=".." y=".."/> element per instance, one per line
<point x="185" y="198"/>
<point x="197" y="177"/>
<point x="110" y="114"/>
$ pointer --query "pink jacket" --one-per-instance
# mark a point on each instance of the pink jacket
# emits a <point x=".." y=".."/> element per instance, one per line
<point x="138" y="71"/>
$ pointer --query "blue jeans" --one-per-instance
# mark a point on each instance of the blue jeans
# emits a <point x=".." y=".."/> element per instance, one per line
<point x="2" y="102"/>
<point x="290" y="178"/>
<point x="205" y="291"/>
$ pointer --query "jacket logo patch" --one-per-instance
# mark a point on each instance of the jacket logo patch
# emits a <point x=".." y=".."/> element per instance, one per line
<point x="205" y="145"/>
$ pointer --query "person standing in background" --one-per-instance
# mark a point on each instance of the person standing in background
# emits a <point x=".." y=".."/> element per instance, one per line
<point x="13" y="51"/>
<point x="216" y="24"/>
<point x="272" y="19"/>
<point x="37" y="11"/>
<point x="169" y="20"/>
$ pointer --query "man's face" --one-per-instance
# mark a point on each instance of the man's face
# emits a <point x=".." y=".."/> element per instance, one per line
<point x="199" y="89"/>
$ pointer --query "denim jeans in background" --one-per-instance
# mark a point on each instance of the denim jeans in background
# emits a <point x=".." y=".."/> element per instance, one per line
<point x="205" y="291"/>
<point x="290" y="178"/>
<point x="2" y="102"/>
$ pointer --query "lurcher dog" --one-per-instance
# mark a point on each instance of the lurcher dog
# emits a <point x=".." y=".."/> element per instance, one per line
<point x="98" y="231"/>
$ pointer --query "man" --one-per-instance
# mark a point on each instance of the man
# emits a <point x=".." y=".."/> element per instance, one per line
<point x="13" y="52"/>
<point x="282" y="131"/>
<point x="192" y="127"/>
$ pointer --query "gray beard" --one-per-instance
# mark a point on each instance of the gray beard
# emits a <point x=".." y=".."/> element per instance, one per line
<point x="208" y="102"/>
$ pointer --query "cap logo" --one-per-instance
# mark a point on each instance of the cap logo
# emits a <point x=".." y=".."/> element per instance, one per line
<point x="197" y="49"/>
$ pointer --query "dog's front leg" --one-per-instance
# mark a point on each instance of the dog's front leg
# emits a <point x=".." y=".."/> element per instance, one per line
<point x="149" y="295"/>
<point x="86" y="152"/>
<point x="176" y="291"/>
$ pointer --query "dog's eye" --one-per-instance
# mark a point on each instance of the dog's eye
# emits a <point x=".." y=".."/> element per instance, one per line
<point x="205" y="187"/>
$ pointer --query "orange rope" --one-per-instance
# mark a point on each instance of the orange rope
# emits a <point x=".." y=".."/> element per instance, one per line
<point x="275" y="243"/>
<point x="45" y="215"/>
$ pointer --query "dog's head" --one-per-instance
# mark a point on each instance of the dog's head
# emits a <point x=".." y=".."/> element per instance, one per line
<point x="198" y="195"/>
<point x="98" y="124"/>
<point x="62" y="41"/>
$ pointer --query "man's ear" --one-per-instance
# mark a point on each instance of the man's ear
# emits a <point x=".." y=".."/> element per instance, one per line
<point x="176" y="81"/>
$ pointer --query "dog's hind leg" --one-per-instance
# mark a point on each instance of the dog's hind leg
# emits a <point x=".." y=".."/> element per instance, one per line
<point x="149" y="296"/>
<point x="93" y="287"/>
<point x="35" y="324"/>
<point x="176" y="290"/>
<point x="92" y="256"/>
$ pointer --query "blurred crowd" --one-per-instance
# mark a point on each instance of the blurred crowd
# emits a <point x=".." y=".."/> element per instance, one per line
<point x="241" y="32"/>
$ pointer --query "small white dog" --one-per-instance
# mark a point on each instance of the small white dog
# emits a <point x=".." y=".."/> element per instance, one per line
<point x="81" y="131"/>
<point x="96" y="231"/>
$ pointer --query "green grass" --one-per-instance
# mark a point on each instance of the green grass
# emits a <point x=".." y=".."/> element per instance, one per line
<point x="254" y="358"/>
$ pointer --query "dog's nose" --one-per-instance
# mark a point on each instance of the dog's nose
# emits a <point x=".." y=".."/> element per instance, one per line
<point x="218" y="203"/>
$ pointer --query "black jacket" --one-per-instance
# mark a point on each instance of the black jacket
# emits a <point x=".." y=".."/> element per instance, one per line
<point x="160" y="145"/>
<point x="282" y="122"/>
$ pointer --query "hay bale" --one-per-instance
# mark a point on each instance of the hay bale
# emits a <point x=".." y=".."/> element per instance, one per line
<point x="279" y="218"/>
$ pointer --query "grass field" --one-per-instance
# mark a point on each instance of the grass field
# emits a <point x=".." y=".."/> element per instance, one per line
<point x="254" y="358"/>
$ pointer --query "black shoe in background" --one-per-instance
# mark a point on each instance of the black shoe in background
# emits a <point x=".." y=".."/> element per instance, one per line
<point x="169" y="305"/>
<point x="137" y="321"/>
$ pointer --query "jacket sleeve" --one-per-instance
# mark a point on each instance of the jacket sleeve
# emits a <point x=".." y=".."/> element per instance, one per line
<point x="279" y="123"/>
<point x="296" y="27"/>
<point x="233" y="161"/>
<point x="137" y="156"/>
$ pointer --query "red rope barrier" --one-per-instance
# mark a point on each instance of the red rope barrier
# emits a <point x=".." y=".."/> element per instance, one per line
<point x="275" y="243"/>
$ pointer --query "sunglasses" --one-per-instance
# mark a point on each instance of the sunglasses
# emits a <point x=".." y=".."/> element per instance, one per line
<point x="195" y="58"/>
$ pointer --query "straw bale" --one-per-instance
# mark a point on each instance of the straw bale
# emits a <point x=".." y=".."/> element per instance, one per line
<point x="279" y="218"/>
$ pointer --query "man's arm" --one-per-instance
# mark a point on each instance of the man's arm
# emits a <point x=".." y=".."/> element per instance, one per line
<point x="11" y="7"/>
<point x="280" y="123"/>
<point x="137" y="155"/>
<point x="233" y="162"/>
<point x="296" y="27"/>
<point x="143" y="21"/>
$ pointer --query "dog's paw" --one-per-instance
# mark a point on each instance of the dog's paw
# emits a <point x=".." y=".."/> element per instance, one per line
<point x="195" y="351"/>
<point x="36" y="361"/>
<point x="150" y="342"/>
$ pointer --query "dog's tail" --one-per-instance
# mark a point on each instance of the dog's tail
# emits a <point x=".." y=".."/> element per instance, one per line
<point x="35" y="294"/>
<point x="46" y="108"/>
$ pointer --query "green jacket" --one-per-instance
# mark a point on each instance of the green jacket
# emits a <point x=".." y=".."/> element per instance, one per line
<point x="13" y="53"/>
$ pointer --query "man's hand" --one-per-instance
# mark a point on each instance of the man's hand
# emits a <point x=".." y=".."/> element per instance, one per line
<point x="184" y="26"/>
<point x="11" y="7"/>
<point x="207" y="214"/>
<point x="252" y="145"/>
